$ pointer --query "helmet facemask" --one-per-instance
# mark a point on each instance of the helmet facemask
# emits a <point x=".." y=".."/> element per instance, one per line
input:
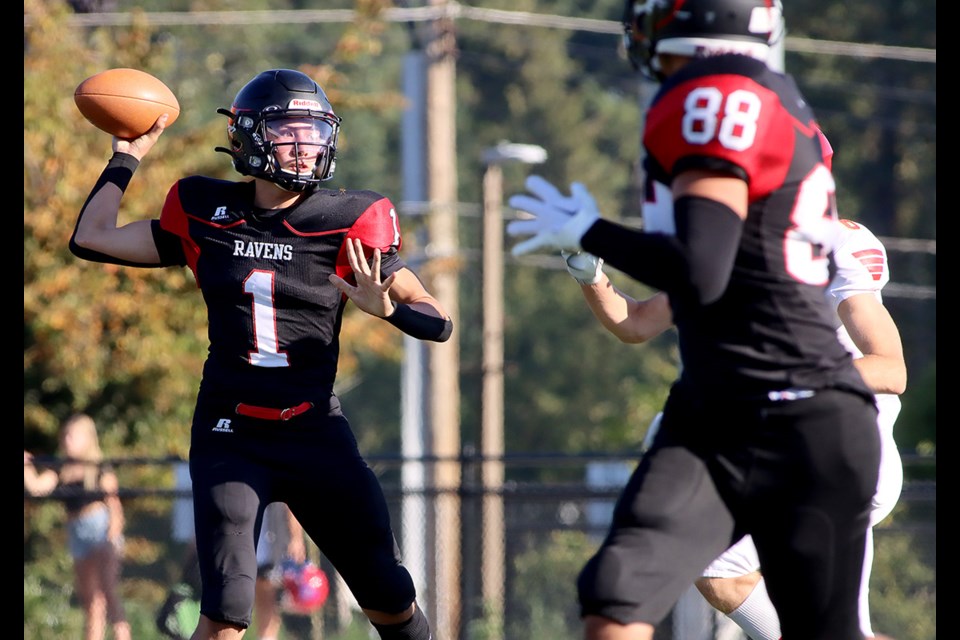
<point x="292" y="136"/>
<point x="267" y="146"/>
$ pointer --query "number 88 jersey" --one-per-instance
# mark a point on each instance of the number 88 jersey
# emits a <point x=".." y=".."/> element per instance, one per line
<point x="772" y="327"/>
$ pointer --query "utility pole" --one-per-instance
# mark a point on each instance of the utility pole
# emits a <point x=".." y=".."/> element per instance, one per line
<point x="493" y="530"/>
<point x="414" y="422"/>
<point x="444" y="358"/>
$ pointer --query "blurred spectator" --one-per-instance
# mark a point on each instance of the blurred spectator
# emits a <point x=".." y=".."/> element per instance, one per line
<point x="180" y="611"/>
<point x="95" y="523"/>
<point x="281" y="538"/>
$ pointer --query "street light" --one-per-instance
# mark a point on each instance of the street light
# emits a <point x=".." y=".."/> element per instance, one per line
<point x="510" y="151"/>
<point x="493" y="557"/>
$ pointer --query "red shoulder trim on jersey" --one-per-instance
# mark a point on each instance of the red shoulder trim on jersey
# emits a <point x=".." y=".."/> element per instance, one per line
<point x="378" y="227"/>
<point x="174" y="219"/>
<point x="309" y="234"/>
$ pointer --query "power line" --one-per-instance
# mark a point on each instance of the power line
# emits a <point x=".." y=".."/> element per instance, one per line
<point x="909" y="291"/>
<point x="453" y="11"/>
<point x="860" y="50"/>
<point x="910" y="245"/>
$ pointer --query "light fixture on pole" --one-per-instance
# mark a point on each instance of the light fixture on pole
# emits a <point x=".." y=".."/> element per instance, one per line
<point x="493" y="574"/>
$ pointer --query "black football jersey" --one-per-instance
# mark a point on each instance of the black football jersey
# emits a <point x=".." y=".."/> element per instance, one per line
<point x="771" y="329"/>
<point x="264" y="274"/>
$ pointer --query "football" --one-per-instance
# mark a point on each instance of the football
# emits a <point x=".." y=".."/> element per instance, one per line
<point x="125" y="102"/>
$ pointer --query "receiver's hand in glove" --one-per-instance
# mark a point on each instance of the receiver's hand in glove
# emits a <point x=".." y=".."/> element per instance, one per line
<point x="585" y="268"/>
<point x="560" y="221"/>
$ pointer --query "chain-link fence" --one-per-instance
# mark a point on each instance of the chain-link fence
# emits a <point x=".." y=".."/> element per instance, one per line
<point x="490" y="563"/>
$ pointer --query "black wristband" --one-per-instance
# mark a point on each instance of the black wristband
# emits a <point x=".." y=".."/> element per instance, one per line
<point x="119" y="170"/>
<point x="419" y="325"/>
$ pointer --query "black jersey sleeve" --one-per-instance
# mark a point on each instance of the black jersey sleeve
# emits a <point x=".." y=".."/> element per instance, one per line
<point x="390" y="261"/>
<point x="169" y="245"/>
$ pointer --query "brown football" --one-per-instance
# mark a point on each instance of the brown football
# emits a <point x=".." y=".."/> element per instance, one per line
<point x="125" y="102"/>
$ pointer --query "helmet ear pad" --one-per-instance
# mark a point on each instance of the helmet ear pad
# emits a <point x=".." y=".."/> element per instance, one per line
<point x="250" y="157"/>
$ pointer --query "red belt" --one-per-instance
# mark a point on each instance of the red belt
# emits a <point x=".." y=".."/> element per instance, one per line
<point x="266" y="413"/>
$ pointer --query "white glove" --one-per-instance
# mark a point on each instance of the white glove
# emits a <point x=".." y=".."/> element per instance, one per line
<point x="560" y="222"/>
<point x="585" y="268"/>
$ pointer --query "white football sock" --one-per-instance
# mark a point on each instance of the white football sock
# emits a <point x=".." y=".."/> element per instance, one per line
<point x="756" y="615"/>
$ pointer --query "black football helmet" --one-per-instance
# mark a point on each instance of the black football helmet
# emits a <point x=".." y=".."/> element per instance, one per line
<point x="698" y="28"/>
<point x="271" y="97"/>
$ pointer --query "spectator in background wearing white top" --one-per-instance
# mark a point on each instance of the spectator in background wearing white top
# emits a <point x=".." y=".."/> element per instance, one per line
<point x="281" y="538"/>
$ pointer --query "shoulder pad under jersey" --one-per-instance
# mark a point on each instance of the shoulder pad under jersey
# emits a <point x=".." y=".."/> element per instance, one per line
<point x="861" y="261"/>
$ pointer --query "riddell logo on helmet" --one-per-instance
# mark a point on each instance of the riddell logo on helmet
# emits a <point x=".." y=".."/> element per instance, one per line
<point x="299" y="103"/>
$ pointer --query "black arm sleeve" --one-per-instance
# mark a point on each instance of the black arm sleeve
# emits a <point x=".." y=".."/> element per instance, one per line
<point x="694" y="265"/>
<point x="420" y="325"/>
<point x="118" y="172"/>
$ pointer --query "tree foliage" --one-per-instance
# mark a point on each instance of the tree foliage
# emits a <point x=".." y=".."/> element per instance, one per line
<point x="98" y="338"/>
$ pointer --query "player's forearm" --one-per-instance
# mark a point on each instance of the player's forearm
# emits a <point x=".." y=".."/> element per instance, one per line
<point x="102" y="208"/>
<point x="97" y="237"/>
<point x="875" y="334"/>
<point x="883" y="374"/>
<point x="427" y="305"/>
<point x="631" y="321"/>
<point x="650" y="317"/>
<point x="607" y="306"/>
<point x="421" y="321"/>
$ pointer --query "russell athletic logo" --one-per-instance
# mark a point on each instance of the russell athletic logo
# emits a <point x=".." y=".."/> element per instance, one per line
<point x="220" y="214"/>
<point x="223" y="426"/>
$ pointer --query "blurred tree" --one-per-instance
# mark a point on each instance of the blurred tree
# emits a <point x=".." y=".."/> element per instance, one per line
<point x="96" y="337"/>
<point x="903" y="589"/>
